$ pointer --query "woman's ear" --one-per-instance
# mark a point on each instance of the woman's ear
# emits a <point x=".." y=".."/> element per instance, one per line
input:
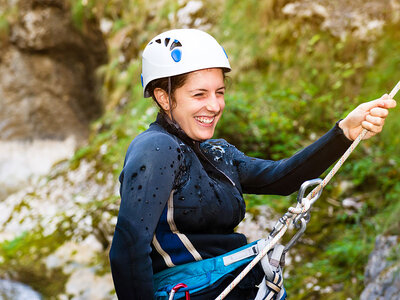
<point x="162" y="98"/>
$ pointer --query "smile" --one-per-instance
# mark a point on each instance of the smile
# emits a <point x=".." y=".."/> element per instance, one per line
<point x="205" y="120"/>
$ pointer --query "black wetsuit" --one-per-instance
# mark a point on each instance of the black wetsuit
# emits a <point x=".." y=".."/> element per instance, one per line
<point x="182" y="199"/>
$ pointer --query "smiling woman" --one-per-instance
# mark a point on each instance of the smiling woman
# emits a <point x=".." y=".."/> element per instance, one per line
<point x="182" y="192"/>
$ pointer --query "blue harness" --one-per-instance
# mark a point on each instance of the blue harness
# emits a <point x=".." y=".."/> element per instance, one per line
<point x="199" y="275"/>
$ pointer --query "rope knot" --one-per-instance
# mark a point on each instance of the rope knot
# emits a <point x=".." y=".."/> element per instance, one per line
<point x="301" y="207"/>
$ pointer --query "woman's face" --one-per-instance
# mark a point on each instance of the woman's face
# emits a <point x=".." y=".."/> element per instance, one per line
<point x="199" y="103"/>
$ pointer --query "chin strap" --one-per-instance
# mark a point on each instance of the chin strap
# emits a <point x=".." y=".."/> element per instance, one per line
<point x="170" y="102"/>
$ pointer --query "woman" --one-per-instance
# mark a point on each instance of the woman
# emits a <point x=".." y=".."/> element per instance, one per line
<point x="182" y="193"/>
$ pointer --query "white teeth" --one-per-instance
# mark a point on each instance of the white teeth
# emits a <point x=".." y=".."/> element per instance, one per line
<point x="205" y="120"/>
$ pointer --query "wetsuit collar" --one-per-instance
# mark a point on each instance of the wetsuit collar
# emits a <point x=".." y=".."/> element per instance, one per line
<point x="174" y="129"/>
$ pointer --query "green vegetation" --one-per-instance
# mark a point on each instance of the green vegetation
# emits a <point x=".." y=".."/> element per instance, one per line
<point x="22" y="258"/>
<point x="291" y="81"/>
<point x="8" y="14"/>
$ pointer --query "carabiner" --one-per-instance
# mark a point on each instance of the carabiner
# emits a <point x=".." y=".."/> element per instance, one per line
<point x="295" y="238"/>
<point x="176" y="288"/>
<point x="305" y="186"/>
<point x="300" y="222"/>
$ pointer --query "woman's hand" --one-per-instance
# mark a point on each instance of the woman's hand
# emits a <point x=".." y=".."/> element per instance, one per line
<point x="369" y="115"/>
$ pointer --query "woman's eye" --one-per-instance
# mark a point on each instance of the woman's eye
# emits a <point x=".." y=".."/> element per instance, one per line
<point x="199" y="95"/>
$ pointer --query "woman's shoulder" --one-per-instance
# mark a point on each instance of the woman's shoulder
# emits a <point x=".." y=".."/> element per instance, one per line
<point x="155" y="136"/>
<point x="216" y="143"/>
<point x="219" y="148"/>
<point x="153" y="140"/>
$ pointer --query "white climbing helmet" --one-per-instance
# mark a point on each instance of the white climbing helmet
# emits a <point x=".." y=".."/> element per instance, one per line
<point x="179" y="51"/>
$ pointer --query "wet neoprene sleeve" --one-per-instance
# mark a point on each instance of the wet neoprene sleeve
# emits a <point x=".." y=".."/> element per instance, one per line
<point x="143" y="197"/>
<point x="284" y="177"/>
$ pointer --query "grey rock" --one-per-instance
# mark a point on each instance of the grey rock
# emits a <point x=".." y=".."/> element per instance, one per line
<point x="47" y="82"/>
<point x="11" y="290"/>
<point x="382" y="274"/>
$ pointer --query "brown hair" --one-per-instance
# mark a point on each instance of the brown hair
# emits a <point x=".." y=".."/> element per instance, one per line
<point x="162" y="83"/>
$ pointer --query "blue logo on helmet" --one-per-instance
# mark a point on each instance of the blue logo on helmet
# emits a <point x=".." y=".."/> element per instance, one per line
<point x="176" y="55"/>
<point x="141" y="79"/>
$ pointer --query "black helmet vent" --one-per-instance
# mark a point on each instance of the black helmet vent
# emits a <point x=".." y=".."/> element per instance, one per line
<point x="175" y="44"/>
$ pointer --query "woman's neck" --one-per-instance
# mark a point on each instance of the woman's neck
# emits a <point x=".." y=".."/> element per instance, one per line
<point x="173" y="128"/>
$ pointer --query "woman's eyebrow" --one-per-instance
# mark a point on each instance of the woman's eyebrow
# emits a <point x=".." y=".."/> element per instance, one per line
<point x="198" y="90"/>
<point x="204" y="90"/>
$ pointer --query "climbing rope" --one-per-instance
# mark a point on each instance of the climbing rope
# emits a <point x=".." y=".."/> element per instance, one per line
<point x="302" y="207"/>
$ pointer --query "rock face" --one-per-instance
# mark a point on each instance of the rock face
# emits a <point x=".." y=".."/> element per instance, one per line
<point x="47" y="89"/>
<point x="47" y="84"/>
<point x="67" y="223"/>
<point x="359" y="19"/>
<point x="382" y="274"/>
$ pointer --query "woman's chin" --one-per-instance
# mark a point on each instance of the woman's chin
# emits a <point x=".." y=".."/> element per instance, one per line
<point x="203" y="135"/>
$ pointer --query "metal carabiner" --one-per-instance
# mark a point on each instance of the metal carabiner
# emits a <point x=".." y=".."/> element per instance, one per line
<point x="305" y="186"/>
<point x="300" y="222"/>
<point x="295" y="238"/>
<point x="176" y="288"/>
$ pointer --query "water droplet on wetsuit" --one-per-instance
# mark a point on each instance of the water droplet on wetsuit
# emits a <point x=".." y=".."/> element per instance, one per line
<point x="157" y="149"/>
<point x="142" y="168"/>
<point x="181" y="198"/>
<point x="139" y="187"/>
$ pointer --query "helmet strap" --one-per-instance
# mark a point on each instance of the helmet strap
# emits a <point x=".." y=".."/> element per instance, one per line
<point x="170" y="100"/>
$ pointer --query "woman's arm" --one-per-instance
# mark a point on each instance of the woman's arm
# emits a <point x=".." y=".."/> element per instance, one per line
<point x="147" y="179"/>
<point x="285" y="176"/>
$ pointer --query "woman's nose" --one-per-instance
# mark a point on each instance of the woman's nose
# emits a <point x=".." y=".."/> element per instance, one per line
<point x="213" y="104"/>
